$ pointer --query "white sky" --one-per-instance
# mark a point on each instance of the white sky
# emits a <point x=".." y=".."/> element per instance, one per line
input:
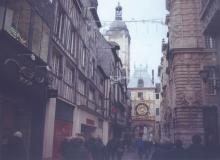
<point x="146" y="38"/>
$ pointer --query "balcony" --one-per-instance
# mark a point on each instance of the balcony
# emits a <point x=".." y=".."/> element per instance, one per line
<point x="210" y="16"/>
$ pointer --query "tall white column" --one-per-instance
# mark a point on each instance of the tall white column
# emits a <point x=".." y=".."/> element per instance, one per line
<point x="76" y="122"/>
<point x="105" y="132"/>
<point x="49" y="129"/>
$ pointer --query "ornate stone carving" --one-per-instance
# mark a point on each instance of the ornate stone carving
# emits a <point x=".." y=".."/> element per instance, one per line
<point x="190" y="97"/>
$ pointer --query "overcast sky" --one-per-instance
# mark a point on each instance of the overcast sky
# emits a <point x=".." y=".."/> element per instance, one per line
<point x="145" y="37"/>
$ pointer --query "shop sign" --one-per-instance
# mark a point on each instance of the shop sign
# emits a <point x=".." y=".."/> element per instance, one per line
<point x="90" y="122"/>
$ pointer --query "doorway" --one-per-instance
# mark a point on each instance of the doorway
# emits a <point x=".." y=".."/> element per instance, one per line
<point x="211" y="126"/>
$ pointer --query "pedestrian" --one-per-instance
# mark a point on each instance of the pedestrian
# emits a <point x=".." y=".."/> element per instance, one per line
<point x="120" y="149"/>
<point x="196" y="150"/>
<point x="74" y="149"/>
<point x="140" y="146"/>
<point x="178" y="153"/>
<point x="91" y="146"/>
<point x="99" y="149"/>
<point x="111" y="149"/>
<point x="16" y="147"/>
<point x="6" y="136"/>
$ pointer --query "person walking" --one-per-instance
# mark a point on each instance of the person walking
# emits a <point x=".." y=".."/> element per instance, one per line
<point x="196" y="150"/>
<point x="140" y="146"/>
<point x="111" y="149"/>
<point x="16" y="147"/>
<point x="120" y="149"/>
<point x="74" y="149"/>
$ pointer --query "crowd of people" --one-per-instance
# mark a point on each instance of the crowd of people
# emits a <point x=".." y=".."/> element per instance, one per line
<point x="196" y="151"/>
<point x="79" y="148"/>
<point x="91" y="148"/>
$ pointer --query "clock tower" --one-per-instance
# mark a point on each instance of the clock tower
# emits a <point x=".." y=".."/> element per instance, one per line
<point x="145" y="100"/>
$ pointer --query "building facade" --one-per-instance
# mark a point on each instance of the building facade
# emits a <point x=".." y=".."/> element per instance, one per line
<point x="25" y="27"/>
<point x="54" y="83"/>
<point x="193" y="98"/>
<point x="119" y="33"/>
<point x="145" y="102"/>
<point x="210" y="18"/>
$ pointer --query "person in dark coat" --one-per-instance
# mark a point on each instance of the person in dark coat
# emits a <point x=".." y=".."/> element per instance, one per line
<point x="111" y="149"/>
<point x="99" y="149"/>
<point x="140" y="146"/>
<point x="16" y="148"/>
<point x="6" y="136"/>
<point x="196" y="150"/>
<point x="120" y="149"/>
<point x="178" y="153"/>
<point x="91" y="146"/>
<point x="74" y="149"/>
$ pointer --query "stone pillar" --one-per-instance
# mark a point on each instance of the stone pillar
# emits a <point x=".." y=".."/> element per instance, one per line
<point x="49" y="129"/>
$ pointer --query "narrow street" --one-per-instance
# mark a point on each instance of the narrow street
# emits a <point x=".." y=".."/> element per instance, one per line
<point x="89" y="79"/>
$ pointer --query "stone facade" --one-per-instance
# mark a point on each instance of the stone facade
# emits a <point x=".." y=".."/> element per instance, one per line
<point x="187" y="55"/>
<point x="210" y="18"/>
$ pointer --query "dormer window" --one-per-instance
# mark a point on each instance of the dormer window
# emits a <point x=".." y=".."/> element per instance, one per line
<point x="140" y="83"/>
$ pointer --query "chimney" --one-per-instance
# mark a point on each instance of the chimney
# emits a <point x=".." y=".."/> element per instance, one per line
<point x="153" y="76"/>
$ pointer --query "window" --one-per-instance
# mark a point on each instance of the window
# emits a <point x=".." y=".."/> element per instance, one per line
<point x="64" y="111"/>
<point x="93" y="67"/>
<point x="69" y="75"/>
<point x="82" y="53"/>
<point x="102" y="81"/>
<point x="100" y="101"/>
<point x="59" y="22"/>
<point x="91" y="94"/>
<point x="210" y="42"/>
<point x="56" y="63"/>
<point x="140" y="95"/>
<point x="157" y="96"/>
<point x="72" y="41"/>
<point x="140" y="83"/>
<point x="83" y="56"/>
<point x="212" y="82"/>
<point x="157" y="111"/>
<point x="81" y="86"/>
<point x="100" y="123"/>
<point x="76" y="45"/>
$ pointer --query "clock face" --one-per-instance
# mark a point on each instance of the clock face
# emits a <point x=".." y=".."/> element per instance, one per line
<point x="142" y="109"/>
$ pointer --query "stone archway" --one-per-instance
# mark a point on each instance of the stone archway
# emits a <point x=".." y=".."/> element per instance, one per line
<point x="145" y="129"/>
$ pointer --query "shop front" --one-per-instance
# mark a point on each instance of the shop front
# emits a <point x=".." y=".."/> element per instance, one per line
<point x="90" y="125"/>
<point x="63" y="126"/>
<point x="23" y="95"/>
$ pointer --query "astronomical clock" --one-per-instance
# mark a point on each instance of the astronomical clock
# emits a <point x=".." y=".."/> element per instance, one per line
<point x="142" y="109"/>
